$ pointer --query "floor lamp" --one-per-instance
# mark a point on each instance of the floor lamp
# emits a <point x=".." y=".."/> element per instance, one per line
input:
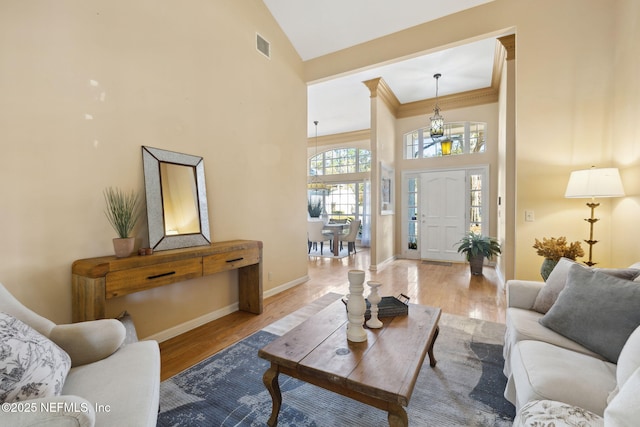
<point x="592" y="183"/>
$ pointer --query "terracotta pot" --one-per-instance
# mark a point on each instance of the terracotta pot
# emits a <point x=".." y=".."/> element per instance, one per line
<point x="123" y="247"/>
<point x="476" y="263"/>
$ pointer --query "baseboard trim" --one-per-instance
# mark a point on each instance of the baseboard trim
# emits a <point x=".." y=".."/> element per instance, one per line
<point x="285" y="286"/>
<point x="193" y="323"/>
<point x="500" y="276"/>
<point x="383" y="264"/>
<point x="210" y="317"/>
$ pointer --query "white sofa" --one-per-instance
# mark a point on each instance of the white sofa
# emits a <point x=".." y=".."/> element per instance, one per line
<point x="582" y="368"/>
<point x="100" y="381"/>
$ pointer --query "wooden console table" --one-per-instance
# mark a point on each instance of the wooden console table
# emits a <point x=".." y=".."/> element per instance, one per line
<point x="95" y="280"/>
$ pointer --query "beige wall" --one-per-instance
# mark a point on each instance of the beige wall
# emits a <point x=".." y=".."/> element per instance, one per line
<point x="383" y="148"/>
<point x="505" y="205"/>
<point x="566" y="73"/>
<point x="562" y="124"/>
<point x="625" y="134"/>
<point x="85" y="84"/>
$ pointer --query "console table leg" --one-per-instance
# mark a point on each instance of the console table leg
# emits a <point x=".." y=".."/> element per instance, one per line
<point x="270" y="380"/>
<point x="398" y="416"/>
<point x="432" y="359"/>
<point x="88" y="298"/>
<point x="250" y="288"/>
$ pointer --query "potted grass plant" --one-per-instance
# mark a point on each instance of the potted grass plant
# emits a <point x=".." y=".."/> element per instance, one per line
<point x="123" y="212"/>
<point x="476" y="247"/>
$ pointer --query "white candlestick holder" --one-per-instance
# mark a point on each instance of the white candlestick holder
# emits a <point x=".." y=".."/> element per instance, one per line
<point x="356" y="307"/>
<point x="374" y="299"/>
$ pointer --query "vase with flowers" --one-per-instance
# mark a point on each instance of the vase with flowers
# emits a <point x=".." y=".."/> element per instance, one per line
<point x="554" y="248"/>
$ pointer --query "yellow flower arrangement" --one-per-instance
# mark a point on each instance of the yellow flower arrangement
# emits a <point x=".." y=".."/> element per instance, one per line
<point x="556" y="248"/>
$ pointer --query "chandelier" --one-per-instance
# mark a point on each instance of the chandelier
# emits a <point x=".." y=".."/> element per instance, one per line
<point x="437" y="121"/>
<point x="316" y="185"/>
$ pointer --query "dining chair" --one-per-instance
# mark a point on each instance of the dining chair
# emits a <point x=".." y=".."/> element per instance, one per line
<point x="350" y="236"/>
<point x="315" y="235"/>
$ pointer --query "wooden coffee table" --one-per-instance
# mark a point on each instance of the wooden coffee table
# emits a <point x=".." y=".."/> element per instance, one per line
<point x="380" y="372"/>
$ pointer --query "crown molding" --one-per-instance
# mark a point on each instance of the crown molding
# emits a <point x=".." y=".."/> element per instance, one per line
<point x="380" y="89"/>
<point x="499" y="56"/>
<point x="509" y="43"/>
<point x="340" y="138"/>
<point x="450" y="102"/>
<point x="373" y="86"/>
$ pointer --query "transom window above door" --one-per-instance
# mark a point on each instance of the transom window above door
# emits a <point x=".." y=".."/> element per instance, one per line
<point x="459" y="138"/>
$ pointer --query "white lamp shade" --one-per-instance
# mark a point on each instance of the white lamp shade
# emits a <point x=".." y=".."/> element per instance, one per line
<point x="589" y="183"/>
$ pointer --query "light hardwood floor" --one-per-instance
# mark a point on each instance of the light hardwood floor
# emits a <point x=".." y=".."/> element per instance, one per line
<point x="450" y="287"/>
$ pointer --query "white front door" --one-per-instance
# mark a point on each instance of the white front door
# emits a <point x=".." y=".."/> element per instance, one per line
<point x="442" y="218"/>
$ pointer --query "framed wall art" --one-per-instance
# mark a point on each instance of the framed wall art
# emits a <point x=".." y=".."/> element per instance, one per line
<point x="387" y="189"/>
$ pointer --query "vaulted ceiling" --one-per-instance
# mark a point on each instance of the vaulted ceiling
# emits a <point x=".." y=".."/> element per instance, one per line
<point x="317" y="28"/>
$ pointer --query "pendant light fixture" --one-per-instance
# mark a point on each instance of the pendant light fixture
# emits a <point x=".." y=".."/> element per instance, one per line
<point x="316" y="185"/>
<point x="437" y="121"/>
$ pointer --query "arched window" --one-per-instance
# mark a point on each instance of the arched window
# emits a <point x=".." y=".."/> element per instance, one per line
<point x="465" y="138"/>
<point x="340" y="161"/>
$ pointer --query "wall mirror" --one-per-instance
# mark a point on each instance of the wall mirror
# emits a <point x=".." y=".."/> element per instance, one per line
<point x="176" y="194"/>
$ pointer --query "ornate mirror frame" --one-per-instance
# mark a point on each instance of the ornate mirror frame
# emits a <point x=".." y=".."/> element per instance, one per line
<point x="152" y="158"/>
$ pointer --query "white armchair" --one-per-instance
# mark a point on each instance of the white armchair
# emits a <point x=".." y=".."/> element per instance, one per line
<point x="108" y="383"/>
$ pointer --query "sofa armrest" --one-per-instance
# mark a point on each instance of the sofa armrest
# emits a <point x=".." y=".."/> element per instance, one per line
<point x="58" y="411"/>
<point x="10" y="305"/>
<point x="522" y="293"/>
<point x="88" y="342"/>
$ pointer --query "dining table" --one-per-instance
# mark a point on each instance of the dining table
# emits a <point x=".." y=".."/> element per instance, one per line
<point x="336" y="229"/>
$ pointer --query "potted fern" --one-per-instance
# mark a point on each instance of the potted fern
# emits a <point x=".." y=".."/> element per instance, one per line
<point x="476" y="248"/>
<point x="123" y="212"/>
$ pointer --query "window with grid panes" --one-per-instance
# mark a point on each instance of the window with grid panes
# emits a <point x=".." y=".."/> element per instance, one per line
<point x="412" y="211"/>
<point x="340" y="161"/>
<point x="475" y="203"/>
<point x="466" y="138"/>
<point x="345" y="200"/>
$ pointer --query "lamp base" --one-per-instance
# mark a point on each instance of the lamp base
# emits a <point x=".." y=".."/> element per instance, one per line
<point x="591" y="242"/>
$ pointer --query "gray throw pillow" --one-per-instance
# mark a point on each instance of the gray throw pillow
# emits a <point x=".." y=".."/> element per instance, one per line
<point x="620" y="273"/>
<point x="554" y="284"/>
<point x="596" y="310"/>
<point x="558" y="278"/>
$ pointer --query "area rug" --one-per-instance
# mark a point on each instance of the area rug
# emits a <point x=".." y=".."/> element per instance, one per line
<point x="464" y="389"/>
<point x="327" y="253"/>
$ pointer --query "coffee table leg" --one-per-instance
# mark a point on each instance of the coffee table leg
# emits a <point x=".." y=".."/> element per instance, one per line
<point x="398" y="416"/>
<point x="270" y="380"/>
<point x="432" y="359"/>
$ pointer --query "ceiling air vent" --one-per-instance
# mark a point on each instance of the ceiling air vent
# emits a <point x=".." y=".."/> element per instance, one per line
<point x="263" y="46"/>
